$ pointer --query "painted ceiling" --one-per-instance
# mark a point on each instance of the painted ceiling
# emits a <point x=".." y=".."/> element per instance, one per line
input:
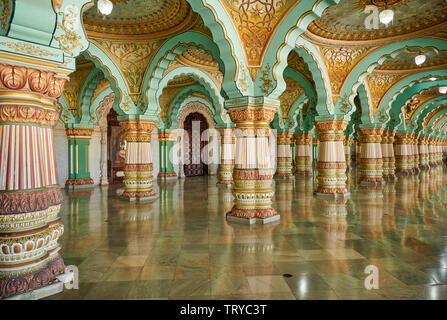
<point x="134" y="17"/>
<point x="405" y="61"/>
<point x="346" y="20"/>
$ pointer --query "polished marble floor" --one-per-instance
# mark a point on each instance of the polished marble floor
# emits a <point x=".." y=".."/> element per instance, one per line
<point x="181" y="246"/>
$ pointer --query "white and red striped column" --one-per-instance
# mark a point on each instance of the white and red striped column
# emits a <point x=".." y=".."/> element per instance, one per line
<point x="30" y="196"/>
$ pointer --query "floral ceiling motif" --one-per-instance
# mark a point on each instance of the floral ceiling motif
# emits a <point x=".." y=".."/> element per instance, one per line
<point x="289" y="97"/>
<point x="339" y="62"/>
<point x="255" y="21"/>
<point x="132" y="58"/>
<point x="346" y="21"/>
<point x="140" y="17"/>
<point x="378" y="84"/>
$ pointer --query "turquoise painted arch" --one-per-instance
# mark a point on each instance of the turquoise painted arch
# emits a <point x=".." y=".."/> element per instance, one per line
<point x="203" y="78"/>
<point x="401" y="101"/>
<point x="419" y="116"/>
<point x="216" y="18"/>
<point x="312" y="58"/>
<point x="401" y="86"/>
<point x="87" y="90"/>
<point x="378" y="57"/>
<point x="167" y="53"/>
<point x="286" y="37"/>
<point x="111" y="73"/>
<point x="95" y="104"/>
<point x="180" y="106"/>
<point x="186" y="93"/>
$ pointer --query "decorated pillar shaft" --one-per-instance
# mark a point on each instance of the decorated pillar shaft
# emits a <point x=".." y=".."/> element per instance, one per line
<point x="371" y="163"/>
<point x="331" y="158"/>
<point x="166" y="141"/>
<point x="284" y="155"/>
<point x="403" y="154"/>
<point x="30" y="196"/>
<point x="432" y="152"/>
<point x="389" y="162"/>
<point x="253" y="170"/>
<point x="225" y="172"/>
<point x="303" y="159"/>
<point x="138" y="167"/>
<point x="78" y="156"/>
<point x="347" y="145"/>
<point x="424" y="156"/>
<point x="416" y="156"/>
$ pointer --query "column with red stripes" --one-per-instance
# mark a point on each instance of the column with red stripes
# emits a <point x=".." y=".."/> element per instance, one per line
<point x="30" y="196"/>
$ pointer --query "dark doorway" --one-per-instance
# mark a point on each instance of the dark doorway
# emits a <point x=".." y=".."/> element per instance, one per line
<point x="195" y="163"/>
<point x="116" y="148"/>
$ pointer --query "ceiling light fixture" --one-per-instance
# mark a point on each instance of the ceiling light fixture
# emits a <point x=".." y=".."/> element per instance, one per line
<point x="387" y="15"/>
<point x="433" y="79"/>
<point x="420" y="59"/>
<point x="105" y="7"/>
<point x="443" y="90"/>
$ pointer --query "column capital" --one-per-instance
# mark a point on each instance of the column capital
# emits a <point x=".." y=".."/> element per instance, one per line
<point x="75" y="131"/>
<point x="167" y="135"/>
<point x="252" y="110"/>
<point x="138" y="130"/>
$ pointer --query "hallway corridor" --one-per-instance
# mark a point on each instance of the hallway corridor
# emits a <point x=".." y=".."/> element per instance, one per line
<point x="182" y="247"/>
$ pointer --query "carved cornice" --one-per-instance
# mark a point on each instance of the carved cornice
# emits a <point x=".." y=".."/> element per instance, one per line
<point x="28" y="114"/>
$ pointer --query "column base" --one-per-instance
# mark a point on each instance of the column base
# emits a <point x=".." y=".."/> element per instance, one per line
<point x="167" y="176"/>
<point x="73" y="184"/>
<point x="304" y="173"/>
<point x="139" y="195"/>
<point x="41" y="278"/>
<point x="390" y="177"/>
<point x="250" y="221"/>
<point x="104" y="183"/>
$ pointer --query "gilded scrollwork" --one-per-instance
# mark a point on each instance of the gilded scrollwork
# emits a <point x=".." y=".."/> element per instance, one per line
<point x="69" y="39"/>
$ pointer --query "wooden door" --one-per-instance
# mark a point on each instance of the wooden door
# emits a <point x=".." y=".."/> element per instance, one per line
<point x="193" y="146"/>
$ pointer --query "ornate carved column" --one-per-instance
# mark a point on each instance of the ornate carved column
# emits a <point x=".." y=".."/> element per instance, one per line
<point x="403" y="154"/>
<point x="284" y="155"/>
<point x="389" y="162"/>
<point x="103" y="166"/>
<point x="347" y="144"/>
<point x="371" y="163"/>
<point x="225" y="171"/>
<point x="438" y="151"/>
<point x="416" y="156"/>
<point x="331" y="158"/>
<point x="30" y="196"/>
<point x="166" y="140"/>
<point x="253" y="171"/>
<point x="138" y="168"/>
<point x="431" y="152"/>
<point x="423" y="153"/>
<point x="78" y="156"/>
<point x="303" y="159"/>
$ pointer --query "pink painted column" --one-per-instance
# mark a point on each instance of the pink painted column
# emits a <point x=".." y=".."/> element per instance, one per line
<point x="303" y="159"/>
<point x="284" y="155"/>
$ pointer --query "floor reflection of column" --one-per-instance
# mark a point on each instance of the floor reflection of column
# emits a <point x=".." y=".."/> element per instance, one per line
<point x="406" y="195"/>
<point x="303" y="196"/>
<point x="332" y="214"/>
<point x="371" y="211"/>
<point x="284" y="198"/>
<point x="78" y="206"/>
<point x="389" y="203"/>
